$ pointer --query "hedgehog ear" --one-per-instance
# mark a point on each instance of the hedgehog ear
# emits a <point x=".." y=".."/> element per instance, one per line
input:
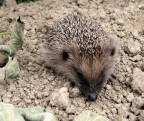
<point x="65" y="55"/>
<point x="112" y="51"/>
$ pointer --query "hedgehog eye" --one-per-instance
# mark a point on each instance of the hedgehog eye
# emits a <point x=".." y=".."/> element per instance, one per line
<point x="112" y="51"/>
<point x="65" y="55"/>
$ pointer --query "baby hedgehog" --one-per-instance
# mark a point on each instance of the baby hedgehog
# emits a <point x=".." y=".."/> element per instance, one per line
<point x="78" y="48"/>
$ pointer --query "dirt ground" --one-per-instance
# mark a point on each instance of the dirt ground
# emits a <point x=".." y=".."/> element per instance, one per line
<point x="123" y="94"/>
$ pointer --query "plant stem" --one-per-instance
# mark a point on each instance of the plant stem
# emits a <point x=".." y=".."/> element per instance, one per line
<point x="5" y="33"/>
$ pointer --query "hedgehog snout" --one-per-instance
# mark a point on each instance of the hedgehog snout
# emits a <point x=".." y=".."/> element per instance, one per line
<point x="92" y="97"/>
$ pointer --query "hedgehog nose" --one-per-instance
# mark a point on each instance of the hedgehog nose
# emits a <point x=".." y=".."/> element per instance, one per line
<point x="92" y="97"/>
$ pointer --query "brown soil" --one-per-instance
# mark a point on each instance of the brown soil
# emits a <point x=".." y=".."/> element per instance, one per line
<point x="124" y="93"/>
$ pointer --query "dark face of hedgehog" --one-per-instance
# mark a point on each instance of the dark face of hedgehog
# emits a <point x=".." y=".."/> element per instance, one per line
<point x="88" y="71"/>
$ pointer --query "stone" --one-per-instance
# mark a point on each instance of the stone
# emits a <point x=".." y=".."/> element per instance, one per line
<point x="141" y="7"/>
<point x="120" y="22"/>
<point x="113" y="110"/>
<point x="51" y="78"/>
<point x="138" y="80"/>
<point x="132" y="117"/>
<point x="136" y="58"/>
<point x="138" y="102"/>
<point x="130" y="97"/>
<point x="16" y="99"/>
<point x="120" y="34"/>
<point x="82" y="2"/>
<point x="60" y="98"/>
<point x="12" y="88"/>
<point x="133" y="47"/>
<point x="75" y="92"/>
<point x="141" y="117"/>
<point x="6" y="100"/>
<point x="10" y="3"/>
<point x="102" y="14"/>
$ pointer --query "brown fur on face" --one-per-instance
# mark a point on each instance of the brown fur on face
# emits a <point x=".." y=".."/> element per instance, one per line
<point x="88" y="72"/>
<point x="79" y="49"/>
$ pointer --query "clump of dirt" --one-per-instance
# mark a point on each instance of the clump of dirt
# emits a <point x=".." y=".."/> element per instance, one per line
<point x="122" y="95"/>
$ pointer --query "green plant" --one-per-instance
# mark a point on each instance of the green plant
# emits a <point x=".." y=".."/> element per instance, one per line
<point x="9" y="113"/>
<point x="16" y="40"/>
<point x="90" y="116"/>
<point x="9" y="66"/>
<point x="1" y="2"/>
<point x="5" y="33"/>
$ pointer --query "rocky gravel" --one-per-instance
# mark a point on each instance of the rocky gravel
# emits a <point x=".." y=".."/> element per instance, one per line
<point x="123" y="94"/>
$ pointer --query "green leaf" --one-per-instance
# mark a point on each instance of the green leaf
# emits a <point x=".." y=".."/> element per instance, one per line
<point x="12" y="68"/>
<point x="118" y="118"/>
<point x="37" y="109"/>
<point x="9" y="113"/>
<point x="5" y="33"/>
<point x="39" y="116"/>
<point x="36" y="114"/>
<point x="90" y="116"/>
<point x="16" y="40"/>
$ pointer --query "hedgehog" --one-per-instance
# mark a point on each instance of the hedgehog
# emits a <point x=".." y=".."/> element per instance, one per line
<point x="79" y="49"/>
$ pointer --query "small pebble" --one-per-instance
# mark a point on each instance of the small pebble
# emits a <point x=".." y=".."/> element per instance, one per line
<point x="130" y="97"/>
